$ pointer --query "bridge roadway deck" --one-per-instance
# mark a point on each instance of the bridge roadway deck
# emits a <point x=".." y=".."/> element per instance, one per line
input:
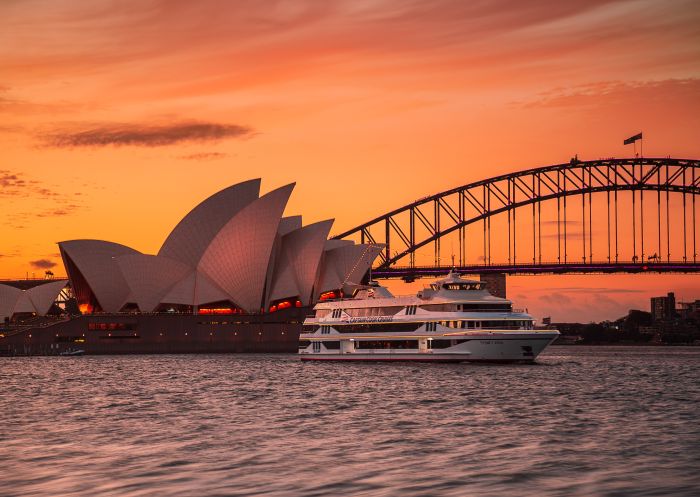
<point x="407" y="272"/>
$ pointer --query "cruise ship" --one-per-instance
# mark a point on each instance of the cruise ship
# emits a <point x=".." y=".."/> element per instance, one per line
<point x="452" y="320"/>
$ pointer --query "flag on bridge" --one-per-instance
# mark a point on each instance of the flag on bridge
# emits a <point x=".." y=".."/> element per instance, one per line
<point x="633" y="139"/>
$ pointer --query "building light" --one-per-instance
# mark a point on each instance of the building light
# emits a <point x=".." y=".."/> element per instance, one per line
<point x="217" y="310"/>
<point x="85" y="308"/>
<point x="333" y="294"/>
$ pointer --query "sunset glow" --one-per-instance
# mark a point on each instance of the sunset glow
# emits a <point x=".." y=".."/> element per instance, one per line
<point x="117" y="118"/>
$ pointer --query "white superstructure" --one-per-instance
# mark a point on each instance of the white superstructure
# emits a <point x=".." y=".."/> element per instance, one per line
<point x="454" y="319"/>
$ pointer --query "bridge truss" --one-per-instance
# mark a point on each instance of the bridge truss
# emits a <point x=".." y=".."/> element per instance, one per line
<point x="611" y="215"/>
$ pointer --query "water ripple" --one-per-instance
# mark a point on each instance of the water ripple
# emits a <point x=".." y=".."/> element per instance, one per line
<point x="611" y="421"/>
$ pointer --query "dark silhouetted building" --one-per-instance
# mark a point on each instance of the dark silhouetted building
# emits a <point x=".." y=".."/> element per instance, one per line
<point x="495" y="284"/>
<point x="663" y="307"/>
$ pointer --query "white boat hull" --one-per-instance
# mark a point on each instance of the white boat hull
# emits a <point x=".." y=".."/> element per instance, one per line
<point x="477" y="349"/>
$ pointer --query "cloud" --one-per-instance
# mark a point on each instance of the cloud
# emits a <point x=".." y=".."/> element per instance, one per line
<point x="555" y="298"/>
<point x="145" y="135"/>
<point x="58" y="212"/>
<point x="204" y="156"/>
<point x="14" y="184"/>
<point x="263" y="42"/>
<point x="45" y="202"/>
<point x="9" y="179"/>
<point x="617" y="93"/>
<point x="42" y="264"/>
<point x="18" y="106"/>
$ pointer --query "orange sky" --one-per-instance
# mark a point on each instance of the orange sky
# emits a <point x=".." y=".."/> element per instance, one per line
<point x="116" y="118"/>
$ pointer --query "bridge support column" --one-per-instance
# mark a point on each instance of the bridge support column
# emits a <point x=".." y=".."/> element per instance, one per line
<point x="495" y="284"/>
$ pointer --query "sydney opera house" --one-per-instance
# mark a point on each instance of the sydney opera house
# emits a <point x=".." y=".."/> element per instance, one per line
<point x="234" y="275"/>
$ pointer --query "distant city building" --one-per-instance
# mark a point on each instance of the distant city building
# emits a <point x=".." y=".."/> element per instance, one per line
<point x="663" y="307"/>
<point x="689" y="310"/>
<point x="495" y="284"/>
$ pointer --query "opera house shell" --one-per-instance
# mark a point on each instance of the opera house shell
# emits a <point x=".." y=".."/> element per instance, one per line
<point x="234" y="275"/>
<point x="234" y="252"/>
<point x="37" y="300"/>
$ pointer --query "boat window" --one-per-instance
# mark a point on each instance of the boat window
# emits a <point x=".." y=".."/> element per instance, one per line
<point x="440" y="307"/>
<point x="376" y="327"/>
<point x="387" y="344"/>
<point x="304" y="343"/>
<point x="463" y="286"/>
<point x="332" y="345"/>
<point x="486" y="307"/>
<point x="503" y="324"/>
<point x="374" y="311"/>
<point x="443" y="344"/>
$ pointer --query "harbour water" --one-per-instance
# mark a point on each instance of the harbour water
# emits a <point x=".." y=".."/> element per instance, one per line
<point x="584" y="421"/>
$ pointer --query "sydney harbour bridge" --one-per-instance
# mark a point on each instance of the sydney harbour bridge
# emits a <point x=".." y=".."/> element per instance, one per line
<point x="602" y="216"/>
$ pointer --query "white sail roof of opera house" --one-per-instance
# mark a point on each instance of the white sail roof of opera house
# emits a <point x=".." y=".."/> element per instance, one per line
<point x="238" y="256"/>
<point x="233" y="247"/>
<point x="296" y="268"/>
<point x="195" y="289"/>
<point x="346" y="264"/>
<point x="289" y="223"/>
<point x="191" y="237"/>
<point x="37" y="300"/>
<point x="94" y="262"/>
<point x="150" y="277"/>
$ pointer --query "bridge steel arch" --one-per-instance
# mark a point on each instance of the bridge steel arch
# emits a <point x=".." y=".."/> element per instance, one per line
<point x="452" y="211"/>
